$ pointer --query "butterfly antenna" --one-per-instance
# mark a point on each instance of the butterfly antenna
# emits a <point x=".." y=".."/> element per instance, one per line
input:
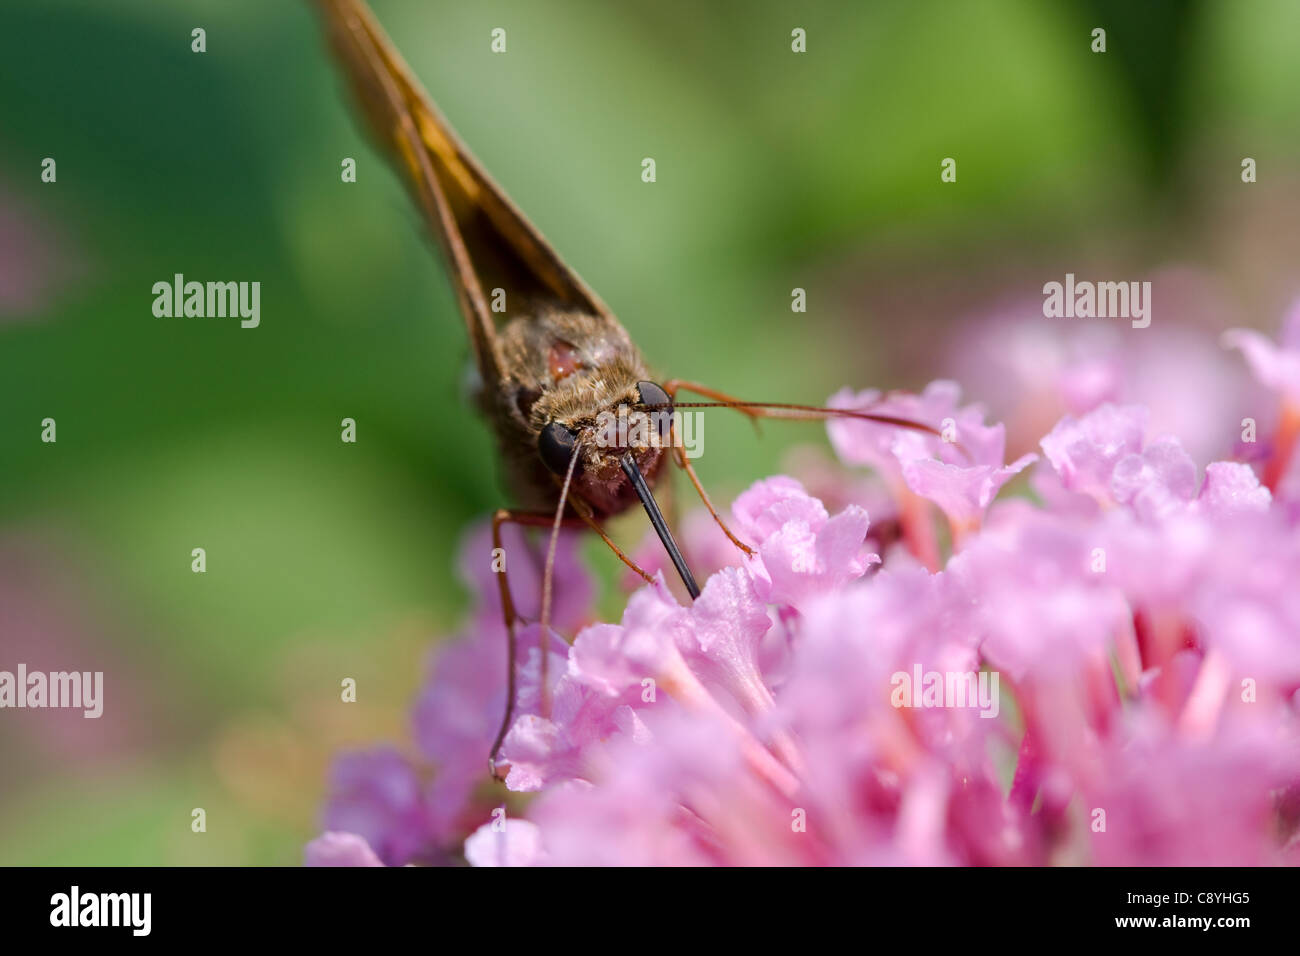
<point x="812" y="412"/>
<point x="548" y="576"/>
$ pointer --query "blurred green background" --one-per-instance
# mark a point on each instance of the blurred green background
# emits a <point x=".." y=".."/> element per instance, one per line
<point x="326" y="559"/>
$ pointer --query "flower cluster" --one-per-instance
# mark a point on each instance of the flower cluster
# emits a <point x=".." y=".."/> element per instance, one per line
<point x="1101" y="670"/>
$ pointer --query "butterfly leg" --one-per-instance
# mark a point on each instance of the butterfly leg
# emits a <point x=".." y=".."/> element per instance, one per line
<point x="589" y="519"/>
<point x="679" y="453"/>
<point x="527" y="519"/>
<point x="533" y="519"/>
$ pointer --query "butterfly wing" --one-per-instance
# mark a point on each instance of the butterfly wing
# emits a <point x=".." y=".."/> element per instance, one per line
<point x="488" y="242"/>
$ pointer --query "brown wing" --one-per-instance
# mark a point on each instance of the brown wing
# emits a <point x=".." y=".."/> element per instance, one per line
<point x="488" y="241"/>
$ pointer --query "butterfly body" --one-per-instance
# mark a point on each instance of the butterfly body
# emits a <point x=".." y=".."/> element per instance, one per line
<point x="577" y="370"/>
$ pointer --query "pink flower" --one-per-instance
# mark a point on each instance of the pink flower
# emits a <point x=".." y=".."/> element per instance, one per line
<point x="1036" y="606"/>
<point x="458" y="712"/>
<point x="340" y="849"/>
<point x="961" y="471"/>
<point x="375" y="795"/>
<point x="1275" y="365"/>
<point x="614" y="672"/>
<point x="1110" y="675"/>
<point x="963" y="493"/>
<point x="1086" y="451"/>
<point x="1159" y="480"/>
<point x="1232" y="489"/>
<point x="517" y="843"/>
<point x="1222" y="583"/>
<point x="859" y="442"/>
<point x="524" y="564"/>
<point x="1169" y="801"/>
<point x="802" y="551"/>
<point x="639" y="813"/>
<point x="1032" y="370"/>
<point x="586" y="709"/>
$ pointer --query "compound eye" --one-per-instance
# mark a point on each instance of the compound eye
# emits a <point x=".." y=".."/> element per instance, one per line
<point x="652" y="394"/>
<point x="661" y="411"/>
<point x="555" y="444"/>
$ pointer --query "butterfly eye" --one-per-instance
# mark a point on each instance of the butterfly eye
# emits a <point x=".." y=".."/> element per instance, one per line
<point x="652" y="394"/>
<point x="555" y="444"/>
<point x="661" y="407"/>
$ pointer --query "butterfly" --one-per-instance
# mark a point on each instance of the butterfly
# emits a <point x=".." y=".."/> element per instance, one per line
<point x="556" y="367"/>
